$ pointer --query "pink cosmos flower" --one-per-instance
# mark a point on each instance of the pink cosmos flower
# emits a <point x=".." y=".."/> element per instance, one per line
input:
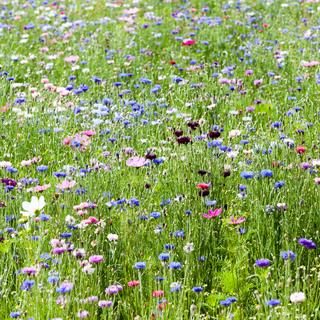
<point x="211" y="214"/>
<point x="136" y="162"/>
<point x="236" y="221"/>
<point x="310" y="63"/>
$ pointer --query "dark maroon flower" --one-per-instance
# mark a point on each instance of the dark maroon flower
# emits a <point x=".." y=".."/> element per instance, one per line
<point x="213" y="134"/>
<point x="150" y="156"/>
<point x="178" y="133"/>
<point x="202" y="172"/>
<point x="193" y="125"/>
<point x="204" y="193"/>
<point x="183" y="140"/>
<point x="226" y="173"/>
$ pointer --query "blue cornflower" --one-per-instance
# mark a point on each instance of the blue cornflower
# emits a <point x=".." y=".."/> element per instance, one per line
<point x="273" y="302"/>
<point x="140" y="265"/>
<point x="247" y="174"/>
<point x="165" y="202"/>
<point x="15" y="314"/>
<point x="66" y="235"/>
<point x="134" y="202"/>
<point x="286" y="255"/>
<point x="27" y="285"/>
<point x="159" y="278"/>
<point x="53" y="279"/>
<point x="197" y="289"/>
<point x="42" y="168"/>
<point x="179" y="234"/>
<point x="164" y="256"/>
<point x="175" y="265"/>
<point x="266" y="173"/>
<point x="155" y="215"/>
<point x="279" y="184"/>
<point x="169" y="246"/>
<point x="65" y="287"/>
<point x="44" y="217"/>
<point x="228" y="301"/>
<point x="59" y="174"/>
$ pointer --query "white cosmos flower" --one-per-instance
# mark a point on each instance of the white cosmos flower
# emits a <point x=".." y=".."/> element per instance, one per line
<point x="33" y="207"/>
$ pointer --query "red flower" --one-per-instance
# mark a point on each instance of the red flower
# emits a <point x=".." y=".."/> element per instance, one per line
<point x="301" y="149"/>
<point x="172" y="62"/>
<point x="203" y="186"/>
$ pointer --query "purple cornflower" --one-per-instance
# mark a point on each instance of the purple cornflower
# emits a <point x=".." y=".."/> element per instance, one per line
<point x="263" y="263"/>
<point x="309" y="244"/>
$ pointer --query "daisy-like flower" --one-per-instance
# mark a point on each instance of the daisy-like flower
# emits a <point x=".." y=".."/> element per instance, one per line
<point x="34" y="207"/>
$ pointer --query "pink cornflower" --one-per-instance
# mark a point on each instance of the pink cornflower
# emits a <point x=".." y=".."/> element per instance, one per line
<point x="39" y="188"/>
<point x="158" y="293"/>
<point x="136" y="162"/>
<point x="133" y="283"/>
<point x="72" y="59"/>
<point x="66" y="184"/>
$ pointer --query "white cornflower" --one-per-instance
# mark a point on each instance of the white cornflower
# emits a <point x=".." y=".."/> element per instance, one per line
<point x="297" y="297"/>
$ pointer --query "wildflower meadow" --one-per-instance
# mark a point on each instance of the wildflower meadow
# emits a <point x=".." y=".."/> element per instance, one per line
<point x="159" y="159"/>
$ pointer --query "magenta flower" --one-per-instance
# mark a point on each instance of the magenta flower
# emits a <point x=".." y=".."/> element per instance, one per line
<point x="212" y="214"/>
<point x="188" y="42"/>
<point x="136" y="162"/>
<point x="88" y="133"/>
